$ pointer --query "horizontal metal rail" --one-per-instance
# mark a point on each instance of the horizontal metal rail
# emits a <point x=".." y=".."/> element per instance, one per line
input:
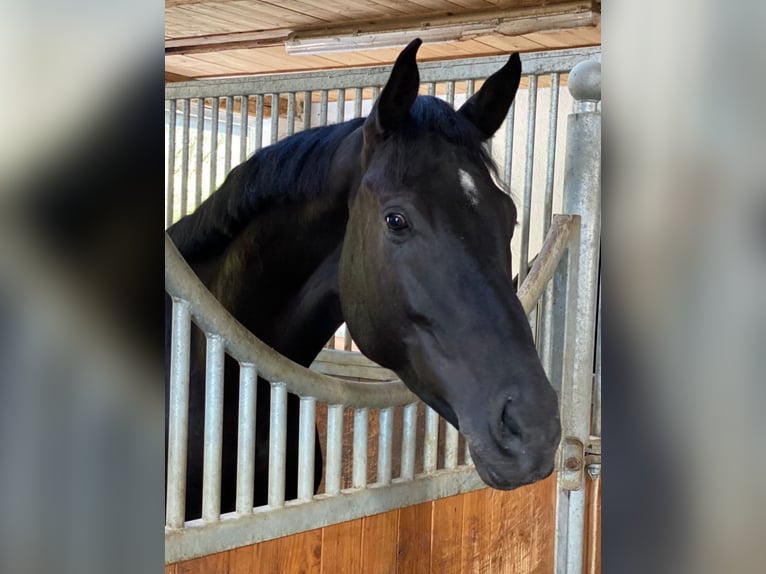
<point x="532" y="63"/>
<point x="182" y="283"/>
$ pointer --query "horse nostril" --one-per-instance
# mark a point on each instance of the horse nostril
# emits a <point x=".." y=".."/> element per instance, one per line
<point x="509" y="421"/>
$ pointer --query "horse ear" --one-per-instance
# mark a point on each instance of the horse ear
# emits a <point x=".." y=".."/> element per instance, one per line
<point x="401" y="89"/>
<point x="487" y="108"/>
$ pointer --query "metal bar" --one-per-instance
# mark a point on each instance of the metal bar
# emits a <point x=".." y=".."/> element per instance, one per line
<point x="470" y="87"/>
<point x="186" y="121"/>
<point x="375" y="93"/>
<point x="213" y="145"/>
<point x="551" y="165"/>
<point x="385" y="439"/>
<point x="229" y="131"/>
<point x="307" y="110"/>
<point x="357" y="102"/>
<point x="431" y="444"/>
<point x="211" y="470"/>
<point x="468" y="457"/>
<point x="359" y="479"/>
<point x="171" y="175"/>
<point x="483" y="67"/>
<point x="347" y="340"/>
<point x="575" y="532"/>
<point x="451" y="92"/>
<point x="341" y="106"/>
<point x="258" y="122"/>
<point x="274" y="119"/>
<point x="334" y="448"/>
<point x="200" y="150"/>
<point x="451" y="442"/>
<point x="277" y="444"/>
<point x="508" y="163"/>
<point x="596" y="424"/>
<point x="306" y="448"/>
<point x="290" y="113"/>
<point x="431" y="87"/>
<point x="248" y="393"/>
<point x="323" y="108"/>
<point x="178" y="413"/>
<point x="408" y="440"/>
<point x="594" y="472"/>
<point x="528" y="180"/>
<point x="244" y="116"/>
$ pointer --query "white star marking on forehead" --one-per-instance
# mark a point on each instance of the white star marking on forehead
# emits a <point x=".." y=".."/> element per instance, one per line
<point x="469" y="186"/>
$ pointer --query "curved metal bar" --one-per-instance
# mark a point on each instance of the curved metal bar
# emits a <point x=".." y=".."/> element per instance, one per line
<point x="182" y="283"/>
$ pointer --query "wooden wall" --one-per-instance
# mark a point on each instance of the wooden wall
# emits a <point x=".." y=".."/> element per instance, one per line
<point x="486" y="531"/>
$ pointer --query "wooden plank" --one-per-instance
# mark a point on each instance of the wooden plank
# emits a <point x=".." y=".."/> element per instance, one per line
<point x="446" y="535"/>
<point x="300" y="552"/>
<point x="592" y="553"/>
<point x="241" y="560"/>
<point x="170" y="569"/>
<point x="414" y="544"/>
<point x="379" y="543"/>
<point x="210" y="564"/>
<point x="342" y="548"/>
<point x="475" y="556"/>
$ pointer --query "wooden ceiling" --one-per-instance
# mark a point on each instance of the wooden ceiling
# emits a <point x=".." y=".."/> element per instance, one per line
<point x="220" y="38"/>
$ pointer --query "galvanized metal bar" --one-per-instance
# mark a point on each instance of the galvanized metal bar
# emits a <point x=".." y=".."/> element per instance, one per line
<point x="229" y="133"/>
<point x="199" y="151"/>
<point x="596" y="424"/>
<point x="341" y="103"/>
<point x="385" y="440"/>
<point x="357" y="102"/>
<point x="178" y="413"/>
<point x="214" y="145"/>
<point x="528" y="180"/>
<point x="361" y="418"/>
<point x="274" y="137"/>
<point x="468" y="457"/>
<point x="186" y="121"/>
<point x="508" y="160"/>
<point x="451" y="442"/>
<point x="244" y="116"/>
<point x="307" y="102"/>
<point x="431" y="87"/>
<point x="409" y="429"/>
<point x="553" y="120"/>
<point x="248" y="393"/>
<point x="290" y="113"/>
<point x="470" y="87"/>
<point x="277" y="444"/>
<point x="431" y="443"/>
<point x="451" y="92"/>
<point x="171" y="175"/>
<point x="323" y="108"/>
<point x="576" y="532"/>
<point x="306" y="448"/>
<point x="258" y="122"/>
<point x="375" y="93"/>
<point x="211" y="468"/>
<point x="334" y="448"/>
<point x="483" y="67"/>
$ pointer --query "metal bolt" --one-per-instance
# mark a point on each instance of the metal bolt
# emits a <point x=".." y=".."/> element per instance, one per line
<point x="573" y="464"/>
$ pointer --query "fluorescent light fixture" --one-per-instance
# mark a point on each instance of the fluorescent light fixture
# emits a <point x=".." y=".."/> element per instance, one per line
<point x="377" y="40"/>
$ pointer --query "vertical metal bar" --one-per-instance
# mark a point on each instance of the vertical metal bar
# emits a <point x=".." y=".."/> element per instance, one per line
<point x="361" y="418"/>
<point x="470" y="87"/>
<point x="357" y="102"/>
<point x="229" y="127"/>
<point x="258" y="121"/>
<point x="347" y="341"/>
<point x="468" y="457"/>
<point x="248" y="393"/>
<point x="214" y="145"/>
<point x="306" y="450"/>
<point x="171" y="175"/>
<point x="341" y="105"/>
<point x="334" y="448"/>
<point x="596" y="425"/>
<point x="408" y="440"/>
<point x="431" y="444"/>
<point x="323" y="108"/>
<point x="277" y="444"/>
<point x="385" y="439"/>
<point x="178" y="413"/>
<point x="211" y="468"/>
<point x="186" y="120"/>
<point x="508" y="163"/>
<point x="375" y="93"/>
<point x="530" y="164"/>
<point x="274" y="119"/>
<point x="244" y="115"/>
<point x="290" y="113"/>
<point x="451" y="92"/>
<point x="307" y="110"/>
<point x="575" y="532"/>
<point x="431" y="87"/>
<point x="200" y="149"/>
<point x="451" y="441"/>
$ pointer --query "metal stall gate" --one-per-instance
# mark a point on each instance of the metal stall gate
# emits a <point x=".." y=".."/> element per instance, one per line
<point x="214" y="125"/>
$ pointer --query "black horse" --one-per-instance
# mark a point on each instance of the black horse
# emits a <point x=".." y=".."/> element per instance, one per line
<point x="392" y="224"/>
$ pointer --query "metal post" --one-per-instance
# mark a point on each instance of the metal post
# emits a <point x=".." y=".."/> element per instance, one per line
<point x="186" y="122"/>
<point x="277" y="445"/>
<point x="582" y="196"/>
<point x="408" y="440"/>
<point x="306" y="450"/>
<point x="334" y="448"/>
<point x="211" y="473"/>
<point x="244" y="114"/>
<point x="248" y="392"/>
<point x="360" y="448"/>
<point x="171" y="167"/>
<point x="385" y="435"/>
<point x="430" y="447"/>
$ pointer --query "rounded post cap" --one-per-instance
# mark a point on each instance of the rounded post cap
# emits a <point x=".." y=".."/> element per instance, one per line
<point x="585" y="81"/>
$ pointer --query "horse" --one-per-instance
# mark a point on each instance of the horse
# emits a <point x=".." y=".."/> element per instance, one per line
<point x="393" y="224"/>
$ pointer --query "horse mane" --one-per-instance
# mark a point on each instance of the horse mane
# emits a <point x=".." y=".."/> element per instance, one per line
<point x="290" y="170"/>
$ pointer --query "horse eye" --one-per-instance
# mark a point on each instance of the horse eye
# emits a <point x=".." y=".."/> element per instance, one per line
<point x="396" y="222"/>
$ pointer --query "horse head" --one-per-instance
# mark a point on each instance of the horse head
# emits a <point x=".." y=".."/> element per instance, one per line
<point x="425" y="273"/>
